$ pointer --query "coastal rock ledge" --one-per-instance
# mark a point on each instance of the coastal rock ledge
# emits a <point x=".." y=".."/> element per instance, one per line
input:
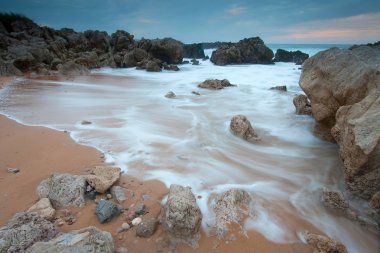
<point x="344" y="91"/>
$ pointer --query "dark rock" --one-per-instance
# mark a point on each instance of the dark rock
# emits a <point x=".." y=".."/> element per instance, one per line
<point x="297" y="57"/>
<point x="375" y="201"/>
<point x="152" y="66"/>
<point x="167" y="50"/>
<point x="146" y="228"/>
<point x="91" y="195"/>
<point x="133" y="57"/>
<point x="85" y="122"/>
<point x="215" y="84"/>
<point x="13" y="170"/>
<point x="170" y="94"/>
<point x="196" y="93"/>
<point x="140" y="209"/>
<point x="182" y="217"/>
<point x="193" y="51"/>
<point x="195" y="62"/>
<point x="241" y="127"/>
<point x="250" y="50"/>
<point x="88" y="239"/>
<point x="8" y="69"/>
<point x="171" y="67"/>
<point x="63" y="190"/>
<point x="185" y="62"/>
<point x="302" y="104"/>
<point x="23" y="230"/>
<point x="106" y="210"/>
<point x="279" y="88"/>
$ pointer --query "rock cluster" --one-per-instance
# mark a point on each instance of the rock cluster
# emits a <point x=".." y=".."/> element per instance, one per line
<point x="297" y="57"/>
<point x="251" y="50"/>
<point x="344" y="91"/>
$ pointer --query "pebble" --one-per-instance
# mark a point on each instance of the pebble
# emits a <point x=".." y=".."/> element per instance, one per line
<point x="140" y="209"/>
<point x="13" y="170"/>
<point x="125" y="226"/>
<point x="109" y="196"/>
<point x="89" y="188"/>
<point x="196" y="93"/>
<point x="136" y="221"/>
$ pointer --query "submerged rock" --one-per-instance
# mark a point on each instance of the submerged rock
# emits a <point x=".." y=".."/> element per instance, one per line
<point x="85" y="240"/>
<point x="23" y="230"/>
<point x="43" y="208"/>
<point x="241" y="127"/>
<point x="170" y="94"/>
<point x="324" y="244"/>
<point x="302" y="104"/>
<point x="214" y="84"/>
<point x="182" y="217"/>
<point x="103" y="177"/>
<point x="63" y="190"/>
<point x="279" y="88"/>
<point x="106" y="210"/>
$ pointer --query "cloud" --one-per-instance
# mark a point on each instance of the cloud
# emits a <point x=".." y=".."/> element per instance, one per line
<point x="236" y="10"/>
<point x="359" y="28"/>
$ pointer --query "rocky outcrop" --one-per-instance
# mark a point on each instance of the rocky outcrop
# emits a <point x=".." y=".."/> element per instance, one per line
<point x="297" y="57"/>
<point x="23" y="230"/>
<point x="344" y="90"/>
<point x="182" y="217"/>
<point x="193" y="51"/>
<point x="231" y="206"/>
<point x="101" y="178"/>
<point x="85" y="240"/>
<point x="252" y="50"/>
<point x="302" y="104"/>
<point x="215" y="84"/>
<point x="43" y="208"/>
<point x="241" y="127"/>
<point x="63" y="190"/>
<point x="324" y="244"/>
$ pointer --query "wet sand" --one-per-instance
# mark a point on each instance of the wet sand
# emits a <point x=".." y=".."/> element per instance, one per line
<point x="39" y="151"/>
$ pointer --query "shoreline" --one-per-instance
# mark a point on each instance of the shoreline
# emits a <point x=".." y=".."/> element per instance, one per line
<point x="39" y="151"/>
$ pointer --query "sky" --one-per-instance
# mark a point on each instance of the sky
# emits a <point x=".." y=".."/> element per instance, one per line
<point x="275" y="21"/>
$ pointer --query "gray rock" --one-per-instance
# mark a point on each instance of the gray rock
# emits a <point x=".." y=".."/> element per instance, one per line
<point x="170" y="94"/>
<point x="140" y="209"/>
<point x="241" y="127"/>
<point x="118" y="193"/>
<point x="375" y="201"/>
<point x="214" y="84"/>
<point x="43" y="208"/>
<point x="152" y="66"/>
<point x="146" y="228"/>
<point x="23" y="230"/>
<point x="182" y="217"/>
<point x="106" y="210"/>
<point x="63" y="190"/>
<point x="85" y="240"/>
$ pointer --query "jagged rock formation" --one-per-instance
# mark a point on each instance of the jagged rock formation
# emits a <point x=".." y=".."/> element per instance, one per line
<point x="194" y="51"/>
<point x="297" y="57"/>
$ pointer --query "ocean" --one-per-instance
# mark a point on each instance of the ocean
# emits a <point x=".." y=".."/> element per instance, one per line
<point x="187" y="141"/>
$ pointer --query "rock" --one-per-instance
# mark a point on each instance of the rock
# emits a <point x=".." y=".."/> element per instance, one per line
<point x="85" y="122"/>
<point x="63" y="190"/>
<point x="251" y="50"/>
<point x="171" y="67"/>
<point x="194" y="62"/>
<point x="194" y="51"/>
<point x="8" y="69"/>
<point x="302" y="104"/>
<point x="152" y="66"/>
<point x="214" y="84"/>
<point x="125" y="226"/>
<point x="85" y="240"/>
<point x="106" y="210"/>
<point x="118" y="193"/>
<point x="375" y="201"/>
<point x="91" y="195"/>
<point x="181" y="216"/>
<point x="279" y="88"/>
<point x="241" y="127"/>
<point x="121" y="250"/>
<point x="103" y="177"/>
<point x="23" y="230"/>
<point x="133" y="57"/>
<point x="146" y="228"/>
<point x="109" y="196"/>
<point x="140" y="209"/>
<point x="368" y="223"/>
<point x="231" y="206"/>
<point x="43" y="208"/>
<point x="334" y="201"/>
<point x="324" y="244"/>
<point x="13" y="170"/>
<point x="196" y="93"/>
<point x="170" y="94"/>
<point x="136" y="221"/>
<point x="69" y="217"/>
<point x="167" y="50"/>
<point x="121" y="40"/>
<point x="72" y="69"/>
<point x="297" y="57"/>
<point x="343" y="87"/>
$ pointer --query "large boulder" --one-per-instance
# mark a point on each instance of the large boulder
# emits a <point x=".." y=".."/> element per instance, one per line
<point x="194" y="51"/>
<point x="297" y="57"/>
<point x="344" y="90"/>
<point x="23" y="230"/>
<point x="63" y="190"/>
<point x="85" y="240"/>
<point x="101" y="178"/>
<point x="251" y="50"/>
<point x="324" y="244"/>
<point x="241" y="127"/>
<point x="167" y="50"/>
<point x="214" y="84"/>
<point x="133" y="57"/>
<point x="182" y="217"/>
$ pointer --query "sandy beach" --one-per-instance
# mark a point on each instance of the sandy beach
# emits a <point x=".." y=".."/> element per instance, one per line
<point x="37" y="152"/>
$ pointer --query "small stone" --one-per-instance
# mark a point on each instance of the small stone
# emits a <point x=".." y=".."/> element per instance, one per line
<point x="136" y="221"/>
<point x="375" y="201"/>
<point x="85" y="122"/>
<point x="125" y="226"/>
<point x="196" y="93"/>
<point x="89" y="188"/>
<point x="130" y="215"/>
<point x="146" y="228"/>
<point x="119" y="193"/>
<point x="59" y="222"/>
<point x="120" y="237"/>
<point x="44" y="208"/>
<point x="109" y="196"/>
<point x="106" y="210"/>
<point x="140" y="209"/>
<point x="13" y="170"/>
<point x="170" y="94"/>
<point x="279" y="88"/>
